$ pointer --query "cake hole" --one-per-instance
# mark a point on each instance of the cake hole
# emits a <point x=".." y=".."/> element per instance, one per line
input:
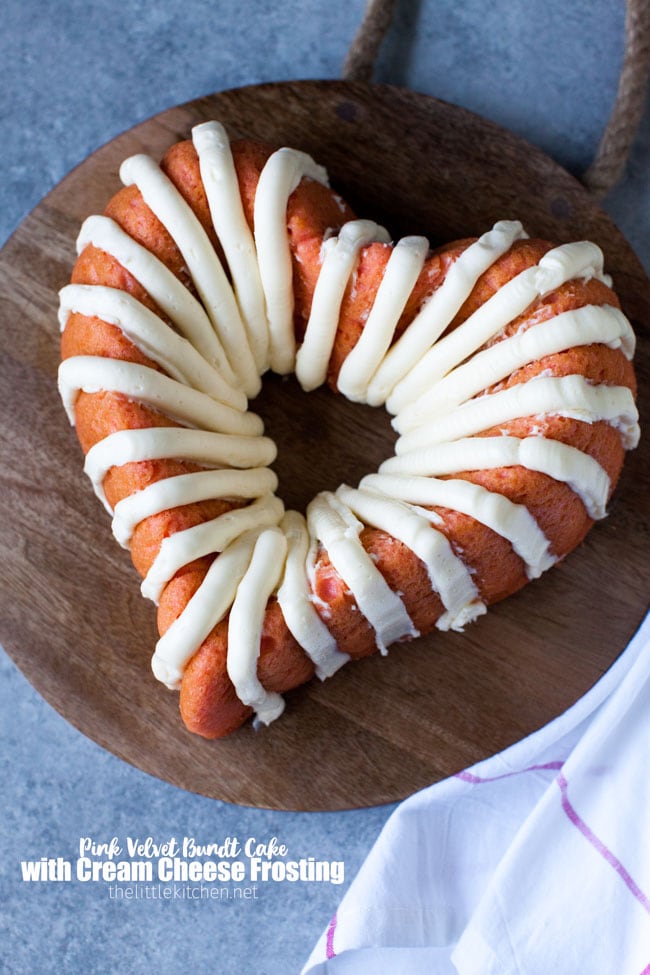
<point x="323" y="440"/>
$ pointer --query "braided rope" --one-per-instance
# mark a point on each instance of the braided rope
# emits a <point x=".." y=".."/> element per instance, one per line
<point x="616" y="142"/>
<point x="617" y="139"/>
<point x="362" y="53"/>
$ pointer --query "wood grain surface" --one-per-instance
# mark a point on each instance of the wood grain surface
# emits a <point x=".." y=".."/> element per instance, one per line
<point x="72" y="615"/>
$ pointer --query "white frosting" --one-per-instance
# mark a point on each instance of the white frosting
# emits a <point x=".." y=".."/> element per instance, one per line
<point x="339" y="257"/>
<point x="219" y="179"/>
<point x="581" y="259"/>
<point x="279" y="178"/>
<point x="334" y="525"/>
<point x="172" y="492"/>
<point x="94" y="374"/>
<point x="571" y="396"/>
<point x="294" y="597"/>
<point x="246" y="622"/>
<point x="213" y="353"/>
<point x="448" y="574"/>
<point x="206" y="538"/>
<point x="441" y="307"/>
<point x="570" y="329"/>
<point x="555" y="268"/>
<point x="152" y="336"/>
<point x="155" y="443"/>
<point x="402" y="271"/>
<point x="512" y="521"/>
<point x="582" y="473"/>
<point x="164" y="200"/>
<point x="171" y="296"/>
<point x="207" y="607"/>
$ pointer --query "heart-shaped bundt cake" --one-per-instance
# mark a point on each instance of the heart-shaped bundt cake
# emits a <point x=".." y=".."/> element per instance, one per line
<point x="505" y="362"/>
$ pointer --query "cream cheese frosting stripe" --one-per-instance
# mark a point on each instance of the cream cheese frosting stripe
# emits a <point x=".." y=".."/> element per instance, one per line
<point x="339" y="256"/>
<point x="246" y="622"/>
<point x="555" y="268"/>
<point x="338" y="530"/>
<point x="570" y="329"/>
<point x="172" y="492"/>
<point x="152" y="336"/>
<point x="209" y="537"/>
<point x="571" y="396"/>
<point x="156" y="443"/>
<point x="442" y="306"/>
<point x="95" y="374"/>
<point x="209" y="277"/>
<point x="280" y="177"/>
<point x="219" y="178"/>
<point x="169" y="294"/>
<point x="558" y="460"/>
<point x="296" y="603"/>
<point x="402" y="271"/>
<point x="448" y="574"/>
<point x="207" y="607"/>
<point x="512" y="521"/>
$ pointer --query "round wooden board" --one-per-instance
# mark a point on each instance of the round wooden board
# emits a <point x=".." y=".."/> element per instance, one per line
<point x="73" y="618"/>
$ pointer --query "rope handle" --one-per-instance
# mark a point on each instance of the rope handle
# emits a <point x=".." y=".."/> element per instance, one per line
<point x="617" y="139"/>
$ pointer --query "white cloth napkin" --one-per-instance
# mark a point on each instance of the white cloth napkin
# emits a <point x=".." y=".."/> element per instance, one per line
<point x="532" y="862"/>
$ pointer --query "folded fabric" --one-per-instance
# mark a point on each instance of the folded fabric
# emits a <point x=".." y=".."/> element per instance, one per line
<point x="534" y="861"/>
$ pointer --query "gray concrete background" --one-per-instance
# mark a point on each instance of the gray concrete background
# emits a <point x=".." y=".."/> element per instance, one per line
<point x="73" y="75"/>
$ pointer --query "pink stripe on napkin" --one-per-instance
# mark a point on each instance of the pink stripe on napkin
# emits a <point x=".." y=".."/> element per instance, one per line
<point x="600" y="847"/>
<point x="329" y="947"/>
<point x="477" y="779"/>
